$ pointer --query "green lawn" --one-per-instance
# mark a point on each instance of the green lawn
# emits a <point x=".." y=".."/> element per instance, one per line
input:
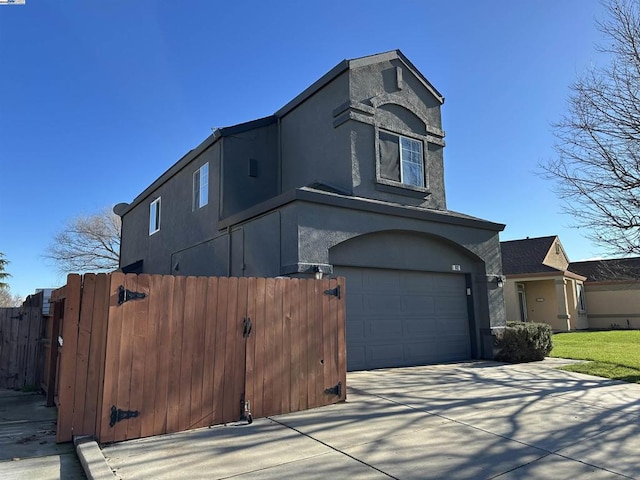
<point x="614" y="354"/>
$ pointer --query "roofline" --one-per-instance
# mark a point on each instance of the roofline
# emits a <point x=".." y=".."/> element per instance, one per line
<point x="528" y="239"/>
<point x="356" y="203"/>
<point x="557" y="273"/>
<point x="611" y="282"/>
<point x="123" y="208"/>
<point x="345" y="65"/>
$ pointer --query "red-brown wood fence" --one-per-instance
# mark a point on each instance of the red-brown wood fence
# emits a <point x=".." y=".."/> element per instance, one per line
<point x="149" y="354"/>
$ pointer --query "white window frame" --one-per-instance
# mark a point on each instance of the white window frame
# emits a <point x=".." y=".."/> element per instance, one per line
<point x="201" y="187"/>
<point x="411" y="144"/>
<point x="406" y="147"/>
<point x="521" y="292"/>
<point x="155" y="210"/>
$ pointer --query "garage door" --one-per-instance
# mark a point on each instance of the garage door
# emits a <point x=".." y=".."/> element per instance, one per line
<point x="402" y="318"/>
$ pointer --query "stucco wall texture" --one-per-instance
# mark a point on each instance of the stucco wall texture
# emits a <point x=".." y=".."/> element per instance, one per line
<point x="289" y="192"/>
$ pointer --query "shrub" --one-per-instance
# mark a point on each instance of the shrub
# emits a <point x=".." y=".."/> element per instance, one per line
<point x="524" y="342"/>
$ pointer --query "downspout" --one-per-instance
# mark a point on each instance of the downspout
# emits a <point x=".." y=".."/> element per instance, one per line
<point x="221" y="205"/>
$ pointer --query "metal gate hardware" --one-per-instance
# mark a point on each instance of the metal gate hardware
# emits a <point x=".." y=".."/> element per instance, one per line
<point x="118" y="415"/>
<point x="245" y="413"/>
<point x="333" y="291"/>
<point x="246" y="327"/>
<point x="337" y="390"/>
<point x="126" y="295"/>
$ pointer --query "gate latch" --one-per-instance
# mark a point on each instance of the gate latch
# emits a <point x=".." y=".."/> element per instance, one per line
<point x="337" y="390"/>
<point x="118" y="415"/>
<point x="125" y="295"/>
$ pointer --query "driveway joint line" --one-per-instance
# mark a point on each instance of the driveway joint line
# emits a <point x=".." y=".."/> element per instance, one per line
<point x="459" y="422"/>
<point x="548" y="452"/>
<point x="241" y="474"/>
<point x="498" y="475"/>
<point x="334" y="448"/>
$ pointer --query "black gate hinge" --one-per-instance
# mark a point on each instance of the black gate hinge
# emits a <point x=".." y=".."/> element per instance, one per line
<point x="118" y="415"/>
<point x="246" y="327"/>
<point x="333" y="291"/>
<point x="125" y="295"/>
<point x="337" y="390"/>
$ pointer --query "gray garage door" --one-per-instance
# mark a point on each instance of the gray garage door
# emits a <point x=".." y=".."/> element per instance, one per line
<point x="401" y="318"/>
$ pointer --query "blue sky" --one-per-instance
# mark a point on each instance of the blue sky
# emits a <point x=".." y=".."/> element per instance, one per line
<point x="99" y="98"/>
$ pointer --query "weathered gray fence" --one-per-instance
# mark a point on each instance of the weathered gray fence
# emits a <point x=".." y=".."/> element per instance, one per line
<point x="20" y="347"/>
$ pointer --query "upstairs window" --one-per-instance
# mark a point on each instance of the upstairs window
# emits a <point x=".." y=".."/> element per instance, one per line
<point x="401" y="159"/>
<point x="154" y="216"/>
<point x="201" y="186"/>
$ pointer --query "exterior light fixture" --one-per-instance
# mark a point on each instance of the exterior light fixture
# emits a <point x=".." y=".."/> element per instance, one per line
<point x="317" y="272"/>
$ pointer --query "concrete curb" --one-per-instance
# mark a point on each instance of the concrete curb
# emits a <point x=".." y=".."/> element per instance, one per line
<point x="94" y="464"/>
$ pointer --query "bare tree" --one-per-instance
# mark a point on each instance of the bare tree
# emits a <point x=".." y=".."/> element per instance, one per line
<point x="597" y="168"/>
<point x="7" y="299"/>
<point x="87" y="243"/>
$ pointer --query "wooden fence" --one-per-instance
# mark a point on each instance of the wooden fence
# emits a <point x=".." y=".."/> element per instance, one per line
<point x="20" y="350"/>
<point x="145" y="355"/>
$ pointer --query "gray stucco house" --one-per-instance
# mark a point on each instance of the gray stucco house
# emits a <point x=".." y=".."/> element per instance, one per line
<point x="347" y="180"/>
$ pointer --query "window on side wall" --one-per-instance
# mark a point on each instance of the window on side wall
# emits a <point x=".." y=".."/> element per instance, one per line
<point x="582" y="304"/>
<point x="401" y="159"/>
<point x="201" y="187"/>
<point x="154" y="216"/>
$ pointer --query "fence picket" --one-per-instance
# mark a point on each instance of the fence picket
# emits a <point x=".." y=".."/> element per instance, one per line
<point x="68" y="358"/>
<point x="179" y="358"/>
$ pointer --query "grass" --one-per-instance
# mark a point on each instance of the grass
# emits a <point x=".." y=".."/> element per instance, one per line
<point x="613" y="354"/>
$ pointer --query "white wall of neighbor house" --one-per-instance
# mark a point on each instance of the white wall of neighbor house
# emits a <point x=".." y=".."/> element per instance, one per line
<point x="613" y="305"/>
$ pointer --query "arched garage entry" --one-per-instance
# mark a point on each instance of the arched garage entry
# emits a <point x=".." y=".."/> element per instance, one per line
<point x="408" y="299"/>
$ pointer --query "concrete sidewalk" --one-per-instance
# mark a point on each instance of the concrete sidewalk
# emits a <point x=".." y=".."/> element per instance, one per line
<point x="465" y="420"/>
<point x="28" y="448"/>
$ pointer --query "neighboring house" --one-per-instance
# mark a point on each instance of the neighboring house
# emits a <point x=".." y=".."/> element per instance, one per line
<point x="541" y="286"/>
<point x="346" y="179"/>
<point x="612" y="290"/>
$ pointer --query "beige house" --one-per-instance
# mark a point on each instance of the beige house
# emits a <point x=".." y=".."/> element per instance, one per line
<point x="540" y="286"/>
<point x="612" y="292"/>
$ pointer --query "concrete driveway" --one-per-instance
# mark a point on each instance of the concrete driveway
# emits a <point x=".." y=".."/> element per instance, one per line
<point x="464" y="420"/>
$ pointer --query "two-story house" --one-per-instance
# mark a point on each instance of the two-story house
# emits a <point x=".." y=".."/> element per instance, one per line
<point x="347" y="180"/>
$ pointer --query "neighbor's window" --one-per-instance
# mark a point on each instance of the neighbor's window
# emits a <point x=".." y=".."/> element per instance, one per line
<point x="401" y="159"/>
<point x="154" y="216"/>
<point x="582" y="305"/>
<point x="201" y="186"/>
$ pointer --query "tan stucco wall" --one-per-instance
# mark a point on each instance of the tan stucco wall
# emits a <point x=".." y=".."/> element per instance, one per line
<point x="578" y="320"/>
<point x="613" y="305"/>
<point x="542" y="305"/>
<point x="511" y="301"/>
<point x="556" y="257"/>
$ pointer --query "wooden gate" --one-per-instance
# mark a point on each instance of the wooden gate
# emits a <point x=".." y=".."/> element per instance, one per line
<point x="149" y="354"/>
<point x="20" y="350"/>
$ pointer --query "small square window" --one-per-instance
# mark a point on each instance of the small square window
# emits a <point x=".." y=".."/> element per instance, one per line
<point x="401" y="159"/>
<point x="201" y="187"/>
<point x="154" y="216"/>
